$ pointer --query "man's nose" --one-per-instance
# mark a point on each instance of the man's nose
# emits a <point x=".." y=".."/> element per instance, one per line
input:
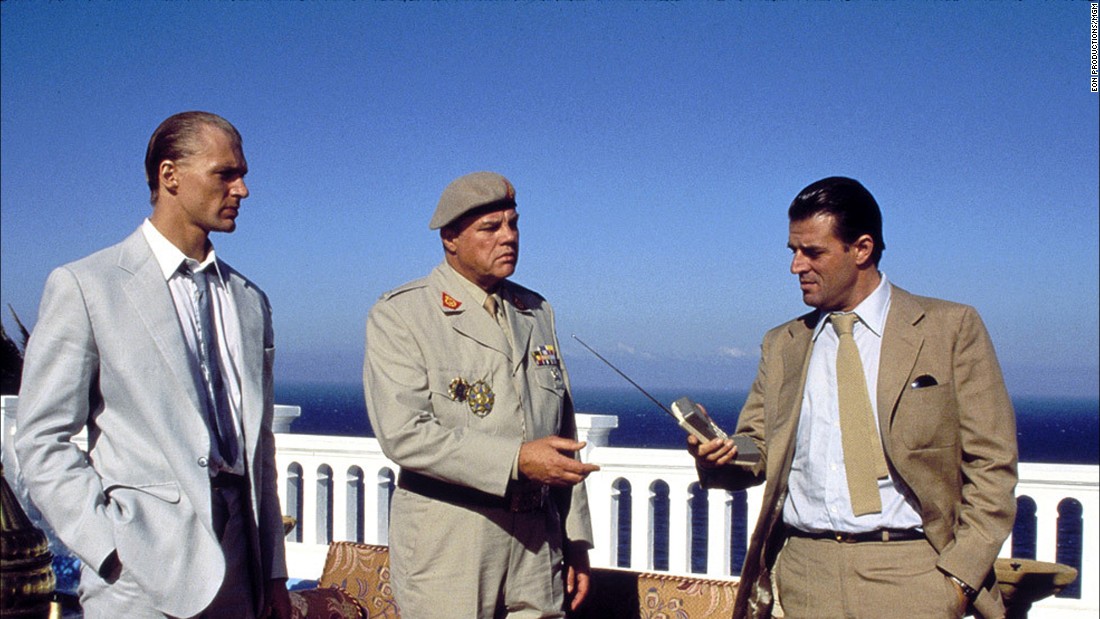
<point x="240" y="189"/>
<point x="798" y="265"/>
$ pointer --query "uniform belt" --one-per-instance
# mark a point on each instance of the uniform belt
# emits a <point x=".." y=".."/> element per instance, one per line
<point x="521" y="496"/>
<point x="228" y="480"/>
<point x="878" y="535"/>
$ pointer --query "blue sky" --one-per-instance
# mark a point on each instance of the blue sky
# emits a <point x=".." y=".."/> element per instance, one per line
<point x="654" y="148"/>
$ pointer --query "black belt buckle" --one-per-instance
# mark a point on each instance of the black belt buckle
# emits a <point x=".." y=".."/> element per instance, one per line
<point x="527" y="497"/>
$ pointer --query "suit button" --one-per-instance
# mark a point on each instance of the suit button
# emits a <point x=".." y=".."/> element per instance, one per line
<point x="204" y="462"/>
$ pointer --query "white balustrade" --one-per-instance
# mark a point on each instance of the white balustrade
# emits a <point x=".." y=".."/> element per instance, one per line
<point x="345" y="483"/>
<point x="1047" y="484"/>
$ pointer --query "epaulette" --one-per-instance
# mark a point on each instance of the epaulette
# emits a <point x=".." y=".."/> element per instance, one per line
<point x="416" y="284"/>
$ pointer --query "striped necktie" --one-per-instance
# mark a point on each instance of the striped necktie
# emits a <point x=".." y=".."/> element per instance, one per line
<point x="219" y="415"/>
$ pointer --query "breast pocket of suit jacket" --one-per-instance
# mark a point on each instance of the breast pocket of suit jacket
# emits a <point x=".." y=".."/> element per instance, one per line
<point x="928" y="417"/>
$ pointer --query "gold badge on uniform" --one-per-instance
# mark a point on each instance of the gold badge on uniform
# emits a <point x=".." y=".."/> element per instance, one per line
<point x="480" y="398"/>
<point x="458" y="389"/>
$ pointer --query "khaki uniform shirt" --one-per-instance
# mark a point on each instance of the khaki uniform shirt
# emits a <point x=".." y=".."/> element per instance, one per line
<point x="450" y="397"/>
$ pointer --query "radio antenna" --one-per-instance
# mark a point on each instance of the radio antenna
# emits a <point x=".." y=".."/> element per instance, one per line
<point x="628" y="379"/>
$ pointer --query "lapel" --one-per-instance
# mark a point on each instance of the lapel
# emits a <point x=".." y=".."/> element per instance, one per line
<point x="148" y="294"/>
<point x="521" y="320"/>
<point x="901" y="343"/>
<point x="795" y="353"/>
<point x="467" y="317"/>
<point x="250" y="360"/>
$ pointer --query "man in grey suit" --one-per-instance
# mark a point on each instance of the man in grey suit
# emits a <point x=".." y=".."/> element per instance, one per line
<point x="467" y="392"/>
<point x="908" y="519"/>
<point x="164" y="354"/>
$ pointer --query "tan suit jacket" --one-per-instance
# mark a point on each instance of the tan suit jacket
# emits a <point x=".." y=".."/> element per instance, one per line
<point x="108" y="354"/>
<point x="953" y="444"/>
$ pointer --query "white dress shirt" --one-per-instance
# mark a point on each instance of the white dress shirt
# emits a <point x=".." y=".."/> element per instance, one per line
<point x="226" y="325"/>
<point x="818" y="498"/>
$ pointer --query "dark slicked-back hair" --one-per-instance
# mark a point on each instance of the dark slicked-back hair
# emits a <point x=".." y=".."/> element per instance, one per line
<point x="853" y="208"/>
<point x="177" y="138"/>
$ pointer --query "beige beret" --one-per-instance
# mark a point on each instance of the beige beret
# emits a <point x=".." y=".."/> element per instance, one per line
<point x="469" y="192"/>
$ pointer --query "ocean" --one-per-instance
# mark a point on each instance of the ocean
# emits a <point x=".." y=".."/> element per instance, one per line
<point x="1049" y="429"/>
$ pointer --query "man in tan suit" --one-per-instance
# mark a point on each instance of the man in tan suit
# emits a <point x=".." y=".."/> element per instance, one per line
<point x="467" y="392"/>
<point x="922" y="541"/>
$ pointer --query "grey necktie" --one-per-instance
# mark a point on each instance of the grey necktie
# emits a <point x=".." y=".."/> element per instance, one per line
<point x="219" y="416"/>
<point x="864" y="461"/>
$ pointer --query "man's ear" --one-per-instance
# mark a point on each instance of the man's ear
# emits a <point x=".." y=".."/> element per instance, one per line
<point x="447" y="235"/>
<point x="168" y="176"/>
<point x="864" y="247"/>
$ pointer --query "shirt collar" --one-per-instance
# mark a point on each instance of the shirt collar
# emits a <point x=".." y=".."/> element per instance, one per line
<point x="871" y="311"/>
<point x="469" y="289"/>
<point x="169" y="257"/>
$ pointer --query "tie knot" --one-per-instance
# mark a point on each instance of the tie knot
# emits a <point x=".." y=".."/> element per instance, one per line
<point x="192" y="269"/>
<point x="843" y="323"/>
<point x="490" y="305"/>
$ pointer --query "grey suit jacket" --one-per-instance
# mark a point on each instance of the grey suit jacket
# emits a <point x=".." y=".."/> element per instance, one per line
<point x="424" y="335"/>
<point x="108" y="354"/>
<point x="953" y="444"/>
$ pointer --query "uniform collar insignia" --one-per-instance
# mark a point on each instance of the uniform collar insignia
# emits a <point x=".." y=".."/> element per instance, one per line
<point x="520" y="305"/>
<point x="450" y="303"/>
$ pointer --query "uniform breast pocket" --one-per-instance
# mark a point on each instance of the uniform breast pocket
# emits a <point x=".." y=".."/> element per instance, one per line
<point x="450" y="394"/>
<point x="549" y="398"/>
<point x="928" y="417"/>
<point x="551" y="380"/>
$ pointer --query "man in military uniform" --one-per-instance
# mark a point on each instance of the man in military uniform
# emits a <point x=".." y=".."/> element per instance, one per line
<point x="467" y="392"/>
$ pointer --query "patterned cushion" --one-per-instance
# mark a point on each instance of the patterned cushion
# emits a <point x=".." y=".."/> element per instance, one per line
<point x="624" y="594"/>
<point x="324" y="603"/>
<point x="363" y="571"/>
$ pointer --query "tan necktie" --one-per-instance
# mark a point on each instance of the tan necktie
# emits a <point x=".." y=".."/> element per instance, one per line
<point x="490" y="306"/>
<point x="496" y="310"/>
<point x="864" y="461"/>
